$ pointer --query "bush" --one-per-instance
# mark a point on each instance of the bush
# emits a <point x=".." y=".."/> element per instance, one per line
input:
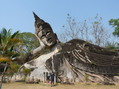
<point x="26" y="71"/>
<point x="13" y="68"/>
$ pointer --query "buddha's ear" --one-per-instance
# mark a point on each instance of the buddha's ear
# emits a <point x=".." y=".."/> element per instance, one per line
<point x="37" y="19"/>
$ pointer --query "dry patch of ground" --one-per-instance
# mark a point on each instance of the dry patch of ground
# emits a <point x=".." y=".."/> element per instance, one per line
<point x="22" y="85"/>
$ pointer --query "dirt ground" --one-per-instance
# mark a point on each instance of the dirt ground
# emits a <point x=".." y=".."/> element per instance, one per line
<point x="22" y="85"/>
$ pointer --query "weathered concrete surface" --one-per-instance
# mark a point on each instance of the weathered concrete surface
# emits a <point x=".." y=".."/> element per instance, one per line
<point x="73" y="61"/>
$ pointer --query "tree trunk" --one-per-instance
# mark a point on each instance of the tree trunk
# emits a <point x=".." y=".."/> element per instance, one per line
<point x="2" y="77"/>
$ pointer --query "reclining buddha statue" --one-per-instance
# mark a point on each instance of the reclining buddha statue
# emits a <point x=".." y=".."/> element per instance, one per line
<point x="73" y="61"/>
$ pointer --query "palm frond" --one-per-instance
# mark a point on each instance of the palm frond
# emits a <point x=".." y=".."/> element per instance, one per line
<point x="15" y="55"/>
<point x="4" y="59"/>
<point x="3" y="32"/>
<point x="15" y="40"/>
<point x="14" y="34"/>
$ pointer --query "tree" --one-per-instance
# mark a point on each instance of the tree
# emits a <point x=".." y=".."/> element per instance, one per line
<point x="92" y="31"/>
<point x="99" y="34"/>
<point x="7" y="53"/>
<point x="111" y="46"/>
<point x="115" y="23"/>
<point x="74" y="29"/>
<point x="13" y="68"/>
<point x="29" y="43"/>
<point x="7" y="43"/>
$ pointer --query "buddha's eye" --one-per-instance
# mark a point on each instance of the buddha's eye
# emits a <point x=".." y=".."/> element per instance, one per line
<point x="47" y="33"/>
<point x="43" y="36"/>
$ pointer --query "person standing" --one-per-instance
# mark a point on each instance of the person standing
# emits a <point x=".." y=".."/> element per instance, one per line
<point x="52" y="79"/>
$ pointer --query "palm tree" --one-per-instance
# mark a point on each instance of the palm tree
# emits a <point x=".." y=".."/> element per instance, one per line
<point x="7" y="51"/>
<point x="7" y="43"/>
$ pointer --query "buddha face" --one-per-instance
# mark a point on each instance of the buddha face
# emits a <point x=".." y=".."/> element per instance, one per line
<point x="44" y="31"/>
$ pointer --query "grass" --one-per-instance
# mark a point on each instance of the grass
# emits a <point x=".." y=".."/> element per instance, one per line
<point x="22" y="85"/>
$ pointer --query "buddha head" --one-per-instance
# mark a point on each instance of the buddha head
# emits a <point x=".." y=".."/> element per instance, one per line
<point x="44" y="31"/>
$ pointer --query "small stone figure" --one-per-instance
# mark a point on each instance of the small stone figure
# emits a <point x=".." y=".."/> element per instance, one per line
<point x="48" y="78"/>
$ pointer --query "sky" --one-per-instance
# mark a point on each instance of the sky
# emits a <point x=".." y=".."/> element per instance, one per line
<point x="17" y="14"/>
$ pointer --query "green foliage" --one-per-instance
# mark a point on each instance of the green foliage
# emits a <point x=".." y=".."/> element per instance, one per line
<point x="7" y="43"/>
<point x="115" y="24"/>
<point x="13" y="68"/>
<point x="26" y="71"/>
<point x="30" y="42"/>
<point x="24" y="79"/>
<point x="112" y="46"/>
<point x="93" y="63"/>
